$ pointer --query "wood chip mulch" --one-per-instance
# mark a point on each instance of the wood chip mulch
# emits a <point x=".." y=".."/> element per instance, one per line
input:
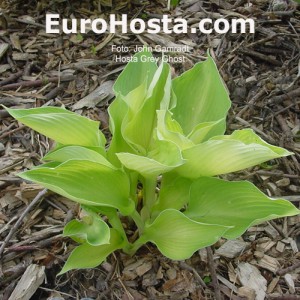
<point x="262" y="72"/>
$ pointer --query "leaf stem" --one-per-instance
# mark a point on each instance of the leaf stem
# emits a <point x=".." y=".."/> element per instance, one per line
<point x="136" y="245"/>
<point x="149" y="197"/>
<point x="138" y="221"/>
<point x="116" y="223"/>
<point x="133" y="186"/>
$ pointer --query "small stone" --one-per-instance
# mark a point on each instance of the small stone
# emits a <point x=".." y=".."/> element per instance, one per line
<point x="294" y="188"/>
<point x="171" y="273"/>
<point x="283" y="182"/>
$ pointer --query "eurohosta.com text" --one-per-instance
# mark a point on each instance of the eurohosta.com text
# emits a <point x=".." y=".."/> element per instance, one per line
<point x="166" y="24"/>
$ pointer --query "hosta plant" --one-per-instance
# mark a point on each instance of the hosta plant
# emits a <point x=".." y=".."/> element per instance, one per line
<point x="158" y="180"/>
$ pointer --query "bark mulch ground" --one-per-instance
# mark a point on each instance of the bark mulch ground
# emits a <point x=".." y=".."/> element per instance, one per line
<point x="262" y="73"/>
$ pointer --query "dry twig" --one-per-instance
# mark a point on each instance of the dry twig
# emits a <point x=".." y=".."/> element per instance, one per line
<point x="38" y="197"/>
<point x="213" y="273"/>
<point x="11" y="78"/>
<point x="36" y="83"/>
<point x="289" y="269"/>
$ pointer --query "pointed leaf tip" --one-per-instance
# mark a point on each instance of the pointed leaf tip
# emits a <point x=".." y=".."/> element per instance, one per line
<point x="86" y="256"/>
<point x="228" y="153"/>
<point x="238" y="204"/>
<point x="201" y="97"/>
<point x="61" y="125"/>
<point x="178" y="237"/>
<point x="86" y="182"/>
<point x="91" y="228"/>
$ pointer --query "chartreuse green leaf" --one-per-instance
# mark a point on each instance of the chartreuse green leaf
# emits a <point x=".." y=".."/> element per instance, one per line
<point x="135" y="73"/>
<point x="201" y="97"/>
<point x="164" y="157"/>
<point x="135" y="99"/>
<point x="121" y="111"/>
<point x="170" y="130"/>
<point x="65" y="153"/>
<point x="248" y="137"/>
<point x="88" y="256"/>
<point x="117" y="111"/>
<point x="237" y="204"/>
<point x="174" y="192"/>
<point x="86" y="182"/>
<point x="131" y="90"/>
<point x="178" y="237"/>
<point x="138" y="133"/>
<point x="51" y="164"/>
<point x="204" y="131"/>
<point x="92" y="229"/>
<point x="225" y="154"/>
<point x="61" y="125"/>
